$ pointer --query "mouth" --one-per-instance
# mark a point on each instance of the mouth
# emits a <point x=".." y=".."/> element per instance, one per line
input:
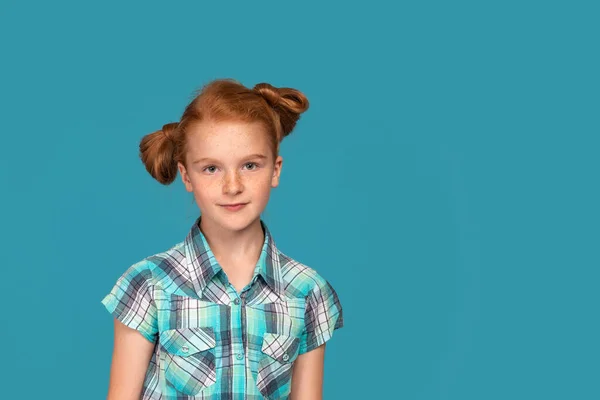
<point x="233" y="207"/>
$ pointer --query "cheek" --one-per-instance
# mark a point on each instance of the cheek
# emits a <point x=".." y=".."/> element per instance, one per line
<point x="264" y="183"/>
<point x="204" y="188"/>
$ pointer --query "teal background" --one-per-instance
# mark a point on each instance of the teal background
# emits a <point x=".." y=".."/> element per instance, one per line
<point x="444" y="180"/>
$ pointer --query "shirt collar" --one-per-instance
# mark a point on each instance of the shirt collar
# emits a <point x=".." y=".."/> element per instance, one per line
<point x="203" y="265"/>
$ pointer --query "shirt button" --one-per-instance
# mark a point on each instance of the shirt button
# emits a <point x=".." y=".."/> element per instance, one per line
<point x="240" y="356"/>
<point x="185" y="349"/>
<point x="236" y="301"/>
<point x="285" y="357"/>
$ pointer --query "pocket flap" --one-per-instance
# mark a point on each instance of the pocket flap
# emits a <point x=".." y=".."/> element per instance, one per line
<point x="283" y="348"/>
<point x="187" y="341"/>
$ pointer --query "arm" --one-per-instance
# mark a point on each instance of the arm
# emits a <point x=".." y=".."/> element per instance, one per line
<point x="323" y="315"/>
<point x="130" y="359"/>
<point x="307" y="375"/>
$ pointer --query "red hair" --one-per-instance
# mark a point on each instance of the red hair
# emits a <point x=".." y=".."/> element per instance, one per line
<point x="278" y="109"/>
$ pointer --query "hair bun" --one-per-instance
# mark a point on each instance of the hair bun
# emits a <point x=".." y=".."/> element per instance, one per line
<point x="156" y="152"/>
<point x="289" y="103"/>
<point x="169" y="129"/>
<point x="269" y="92"/>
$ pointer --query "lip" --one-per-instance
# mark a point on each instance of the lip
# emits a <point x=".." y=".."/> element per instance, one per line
<point x="233" y="207"/>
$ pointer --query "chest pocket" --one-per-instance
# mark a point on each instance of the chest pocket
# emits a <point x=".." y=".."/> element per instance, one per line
<point x="189" y="358"/>
<point x="274" y="375"/>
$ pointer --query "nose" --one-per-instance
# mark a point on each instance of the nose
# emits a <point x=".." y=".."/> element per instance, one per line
<point x="232" y="183"/>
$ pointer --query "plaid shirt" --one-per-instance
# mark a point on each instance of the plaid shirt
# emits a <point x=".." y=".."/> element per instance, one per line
<point x="212" y="342"/>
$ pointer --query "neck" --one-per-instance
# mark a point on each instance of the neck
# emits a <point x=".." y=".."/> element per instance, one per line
<point x="233" y="245"/>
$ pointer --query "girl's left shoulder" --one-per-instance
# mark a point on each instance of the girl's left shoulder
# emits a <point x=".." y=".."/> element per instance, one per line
<point x="323" y="312"/>
<point x="303" y="279"/>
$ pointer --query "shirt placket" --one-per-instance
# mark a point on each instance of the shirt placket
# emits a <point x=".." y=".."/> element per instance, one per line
<point x="238" y="338"/>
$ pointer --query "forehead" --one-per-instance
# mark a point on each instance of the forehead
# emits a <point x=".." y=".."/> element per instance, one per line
<point x="227" y="139"/>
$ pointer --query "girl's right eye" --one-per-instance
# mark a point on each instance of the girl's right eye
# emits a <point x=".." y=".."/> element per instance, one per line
<point x="209" y="169"/>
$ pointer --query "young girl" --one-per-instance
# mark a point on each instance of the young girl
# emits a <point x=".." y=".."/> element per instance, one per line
<point x="223" y="314"/>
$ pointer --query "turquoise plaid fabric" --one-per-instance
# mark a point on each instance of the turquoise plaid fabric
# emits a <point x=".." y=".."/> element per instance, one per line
<point x="212" y="342"/>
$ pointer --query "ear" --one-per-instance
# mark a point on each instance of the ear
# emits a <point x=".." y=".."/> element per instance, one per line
<point x="276" y="171"/>
<point x="185" y="177"/>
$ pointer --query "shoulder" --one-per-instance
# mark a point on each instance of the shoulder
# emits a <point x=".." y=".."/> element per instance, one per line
<point x="158" y="267"/>
<point x="301" y="280"/>
<point x="323" y="312"/>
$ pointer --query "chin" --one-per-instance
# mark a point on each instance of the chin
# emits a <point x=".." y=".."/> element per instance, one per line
<point x="236" y="221"/>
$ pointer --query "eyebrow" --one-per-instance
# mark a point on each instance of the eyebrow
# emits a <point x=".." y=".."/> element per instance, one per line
<point x="261" y="156"/>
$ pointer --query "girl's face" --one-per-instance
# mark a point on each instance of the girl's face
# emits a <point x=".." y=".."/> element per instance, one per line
<point x="230" y="163"/>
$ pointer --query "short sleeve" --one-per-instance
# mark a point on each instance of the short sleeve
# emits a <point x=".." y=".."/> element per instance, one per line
<point x="323" y="315"/>
<point x="131" y="301"/>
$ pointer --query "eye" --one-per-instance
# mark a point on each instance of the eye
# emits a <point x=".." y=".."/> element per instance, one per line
<point x="251" y="166"/>
<point x="210" y="169"/>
